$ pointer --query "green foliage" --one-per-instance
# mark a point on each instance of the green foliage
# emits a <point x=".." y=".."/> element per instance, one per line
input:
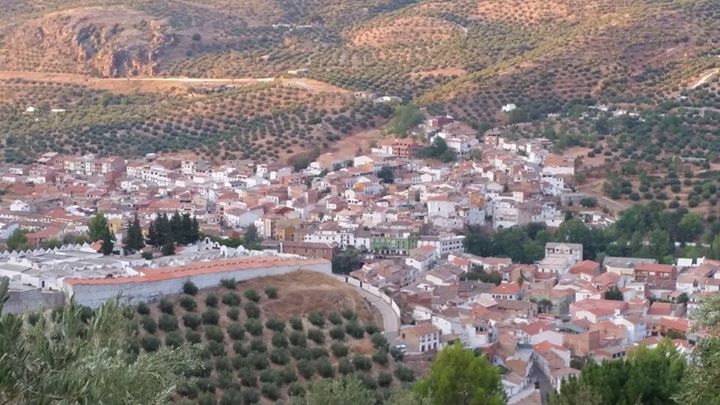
<point x="87" y="359"/>
<point x="149" y="324"/>
<point x="97" y="227"/>
<point x="346" y="261"/>
<point x="167" y="323"/>
<point x="258" y="345"/>
<point x="190" y="288"/>
<point x="134" y="239"/>
<point x="252" y="239"/>
<point x="188" y="302"/>
<point x="214" y="333"/>
<point x="275" y="325"/>
<point x="316" y="335"/>
<point x="380" y="357"/>
<point x="649" y="376"/>
<point x="252" y="295"/>
<point x="297" y="338"/>
<point x="296" y="323"/>
<point x="18" y="240"/>
<point x="457" y="376"/>
<point x="211" y="300"/>
<point x="233" y="314"/>
<point x="252" y="310"/>
<point x="345" y="390"/>
<point x="337" y="333"/>
<point x="211" y="316"/>
<point x="614" y="293"/>
<point x="254" y="327"/>
<point x="229" y="283"/>
<point x="338" y="349"/>
<point x="143" y="309"/>
<point x="405" y="118"/>
<point x="166" y="306"/>
<point x="271" y="292"/>
<point x="192" y="321"/>
<point x="438" y="150"/>
<point x="236" y="331"/>
<point x="317" y="319"/>
<point x="279" y="340"/>
<point x="231" y="298"/>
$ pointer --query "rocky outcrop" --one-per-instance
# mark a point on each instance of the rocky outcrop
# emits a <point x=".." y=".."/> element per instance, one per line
<point x="109" y="42"/>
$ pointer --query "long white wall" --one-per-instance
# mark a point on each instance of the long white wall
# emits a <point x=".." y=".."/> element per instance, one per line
<point x="95" y="295"/>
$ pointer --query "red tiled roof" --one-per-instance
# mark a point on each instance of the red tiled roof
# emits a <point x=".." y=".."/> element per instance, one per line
<point x="195" y="269"/>
<point x="654" y="267"/>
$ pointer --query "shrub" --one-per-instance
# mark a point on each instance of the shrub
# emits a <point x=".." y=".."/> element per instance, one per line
<point x="168" y="323"/>
<point x="324" y="368"/>
<point x="252" y="295"/>
<point x="149" y="324"/>
<point x="317" y="352"/>
<point x="187" y="302"/>
<point x="345" y="367"/>
<point x="354" y="329"/>
<point x="166" y="306"/>
<point x="371" y="329"/>
<point x="334" y="318"/>
<point x="239" y="362"/>
<point x="258" y="345"/>
<point x="349" y="314"/>
<point x="275" y="325"/>
<point x="300" y="353"/>
<point x="298" y="339"/>
<point x="223" y="364"/>
<point x="231" y="299"/>
<point x="296" y="389"/>
<point x="271" y="292"/>
<point x="216" y="348"/>
<point x="306" y="368"/>
<point x="337" y="333"/>
<point x="271" y="391"/>
<point x="338" y="349"/>
<point x="270" y="375"/>
<point x="192" y="321"/>
<point x="317" y="319"/>
<point x="362" y="362"/>
<point x="231" y="396"/>
<point x="250" y="396"/>
<point x="252" y="310"/>
<point x="296" y="323"/>
<point x="233" y="314"/>
<point x="228" y="283"/>
<point x="211" y="300"/>
<point x="279" y="340"/>
<point x="211" y="316"/>
<point x="190" y="288"/>
<point x="173" y="339"/>
<point x="240" y="349"/>
<point x="397" y="354"/>
<point x="207" y="385"/>
<point x="367" y="381"/>
<point x="143" y="309"/>
<point x="379" y="341"/>
<point x="150" y="343"/>
<point x="147" y="255"/>
<point x="380" y="357"/>
<point x="404" y="374"/>
<point x="193" y="337"/>
<point x="248" y="377"/>
<point x="236" y="331"/>
<point x="287" y="375"/>
<point x="254" y="327"/>
<point x="316" y="335"/>
<point x="280" y="356"/>
<point x="215" y="333"/>
<point x="258" y="360"/>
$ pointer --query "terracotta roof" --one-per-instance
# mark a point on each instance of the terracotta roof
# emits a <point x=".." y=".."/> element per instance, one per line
<point x="195" y="269"/>
<point x="585" y="267"/>
<point x="655" y="268"/>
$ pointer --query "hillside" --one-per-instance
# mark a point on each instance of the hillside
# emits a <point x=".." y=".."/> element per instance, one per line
<point x="463" y="57"/>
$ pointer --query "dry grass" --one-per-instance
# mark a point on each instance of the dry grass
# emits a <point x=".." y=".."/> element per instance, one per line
<point x="405" y="31"/>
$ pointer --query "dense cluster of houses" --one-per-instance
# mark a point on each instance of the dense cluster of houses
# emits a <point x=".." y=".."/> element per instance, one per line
<point x="406" y="216"/>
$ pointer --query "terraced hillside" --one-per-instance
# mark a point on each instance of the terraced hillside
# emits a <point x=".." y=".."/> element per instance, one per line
<point x="464" y="57"/>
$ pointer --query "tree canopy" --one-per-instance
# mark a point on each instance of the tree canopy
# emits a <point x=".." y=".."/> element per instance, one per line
<point x="72" y="358"/>
<point x="648" y="376"/>
<point x="459" y="377"/>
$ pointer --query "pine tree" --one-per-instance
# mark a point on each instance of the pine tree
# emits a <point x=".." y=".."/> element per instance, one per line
<point x="168" y="248"/>
<point x="133" y="237"/>
<point x="185" y="237"/>
<point x="163" y="231"/>
<point x="152" y="238"/>
<point x="194" y="231"/>
<point x="176" y="231"/>
<point x="107" y="243"/>
<point x="251" y="239"/>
